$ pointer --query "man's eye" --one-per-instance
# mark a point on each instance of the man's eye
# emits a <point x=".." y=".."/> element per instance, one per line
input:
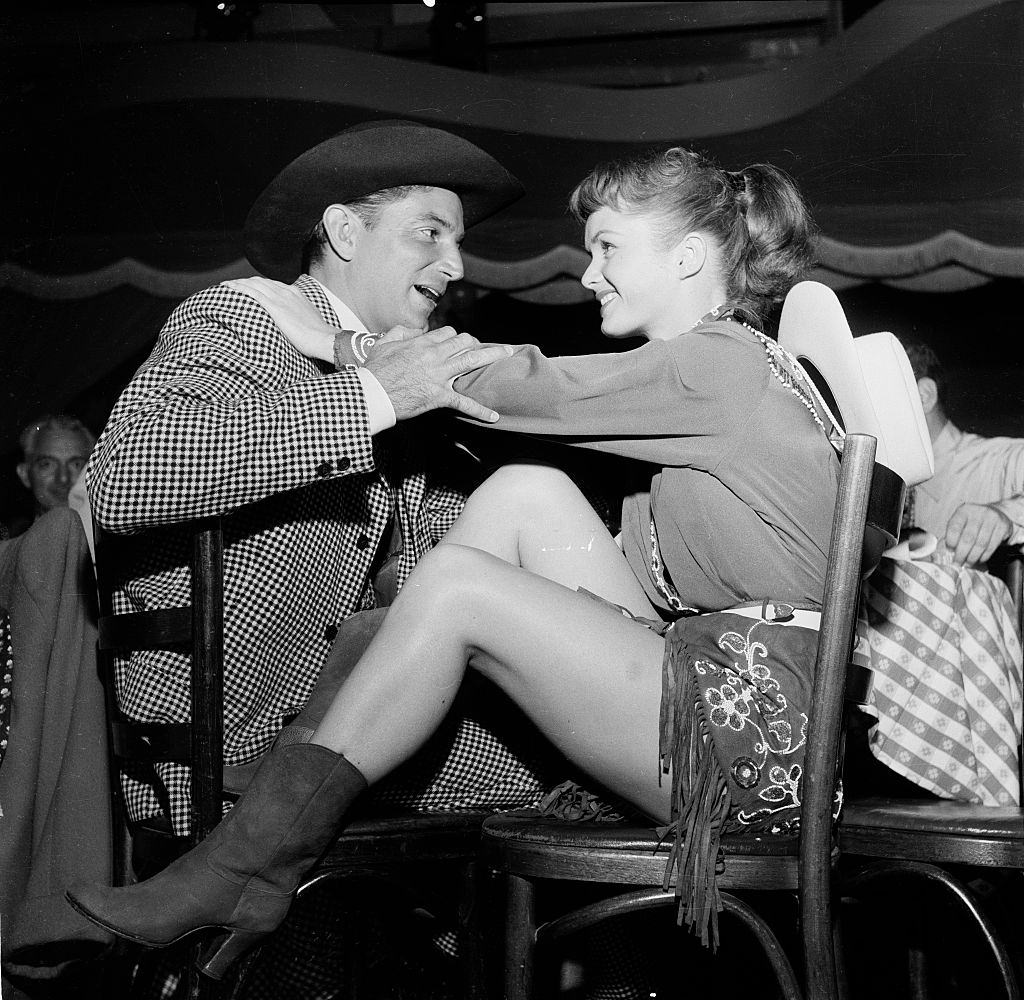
<point x="44" y="464"/>
<point x="430" y="233"/>
<point x="76" y="465"/>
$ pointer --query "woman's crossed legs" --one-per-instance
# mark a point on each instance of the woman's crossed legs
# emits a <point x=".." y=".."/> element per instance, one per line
<point x="589" y="677"/>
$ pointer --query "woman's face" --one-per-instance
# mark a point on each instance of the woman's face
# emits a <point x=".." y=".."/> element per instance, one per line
<point x="637" y="282"/>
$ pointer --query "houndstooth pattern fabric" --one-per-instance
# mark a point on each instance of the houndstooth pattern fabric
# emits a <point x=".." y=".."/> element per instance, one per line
<point x="226" y="418"/>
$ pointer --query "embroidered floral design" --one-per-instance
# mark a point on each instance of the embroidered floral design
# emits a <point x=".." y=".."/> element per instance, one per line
<point x="747" y="696"/>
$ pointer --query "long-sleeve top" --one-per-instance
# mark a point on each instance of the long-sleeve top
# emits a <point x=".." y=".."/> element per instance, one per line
<point x="743" y="504"/>
<point x="972" y="469"/>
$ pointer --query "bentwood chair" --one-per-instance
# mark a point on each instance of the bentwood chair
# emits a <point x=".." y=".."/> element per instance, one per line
<point x="377" y="848"/>
<point x="939" y="845"/>
<point x="889" y="840"/>
<point x="532" y="853"/>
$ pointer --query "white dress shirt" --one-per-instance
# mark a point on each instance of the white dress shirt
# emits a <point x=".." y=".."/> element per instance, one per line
<point x="972" y="469"/>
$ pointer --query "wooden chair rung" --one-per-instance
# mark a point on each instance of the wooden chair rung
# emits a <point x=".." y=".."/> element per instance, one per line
<point x="146" y="630"/>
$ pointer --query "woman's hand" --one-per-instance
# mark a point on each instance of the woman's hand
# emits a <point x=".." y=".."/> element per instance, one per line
<point x="296" y="317"/>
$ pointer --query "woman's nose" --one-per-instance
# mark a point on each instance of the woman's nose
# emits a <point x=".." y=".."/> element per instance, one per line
<point x="591" y="276"/>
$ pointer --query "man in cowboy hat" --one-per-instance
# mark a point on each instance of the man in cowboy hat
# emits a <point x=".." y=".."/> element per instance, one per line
<point x="226" y="417"/>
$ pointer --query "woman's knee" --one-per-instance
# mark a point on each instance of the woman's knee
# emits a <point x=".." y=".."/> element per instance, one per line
<point x="449" y="574"/>
<point x="528" y="486"/>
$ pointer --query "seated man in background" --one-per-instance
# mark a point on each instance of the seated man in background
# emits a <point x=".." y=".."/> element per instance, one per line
<point x="54" y="450"/>
<point x="975" y="501"/>
<point x="945" y="706"/>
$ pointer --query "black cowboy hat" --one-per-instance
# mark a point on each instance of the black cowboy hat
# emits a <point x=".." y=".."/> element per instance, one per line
<point x="357" y="162"/>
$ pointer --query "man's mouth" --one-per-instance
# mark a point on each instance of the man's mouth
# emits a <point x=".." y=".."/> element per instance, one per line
<point x="429" y="293"/>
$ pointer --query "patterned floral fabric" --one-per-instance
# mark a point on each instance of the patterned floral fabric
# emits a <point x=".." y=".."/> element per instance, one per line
<point x="946" y="692"/>
<point x="735" y="701"/>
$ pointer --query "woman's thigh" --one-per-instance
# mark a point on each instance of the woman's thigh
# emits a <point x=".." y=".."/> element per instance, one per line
<point x="588" y="676"/>
<point x="534" y="516"/>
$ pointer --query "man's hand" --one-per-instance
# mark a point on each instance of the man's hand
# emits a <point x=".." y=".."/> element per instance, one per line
<point x="975" y="531"/>
<point x="417" y="370"/>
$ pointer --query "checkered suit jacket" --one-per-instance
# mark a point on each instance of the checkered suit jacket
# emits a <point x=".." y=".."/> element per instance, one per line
<point x="225" y="417"/>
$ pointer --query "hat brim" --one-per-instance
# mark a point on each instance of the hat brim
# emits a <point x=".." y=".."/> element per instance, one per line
<point x="357" y="162"/>
<point x="869" y="377"/>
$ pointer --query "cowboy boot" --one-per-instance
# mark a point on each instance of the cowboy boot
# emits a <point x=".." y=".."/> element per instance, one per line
<point x="243" y="876"/>
<point x="354" y="635"/>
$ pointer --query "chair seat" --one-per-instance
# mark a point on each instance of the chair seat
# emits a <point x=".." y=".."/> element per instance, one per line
<point x="406" y="837"/>
<point x="940" y="831"/>
<point x="530" y="845"/>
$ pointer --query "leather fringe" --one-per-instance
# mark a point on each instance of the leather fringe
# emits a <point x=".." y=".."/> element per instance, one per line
<point x="700" y="794"/>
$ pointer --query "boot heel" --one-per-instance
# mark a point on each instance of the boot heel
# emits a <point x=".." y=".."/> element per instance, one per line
<point x="216" y="961"/>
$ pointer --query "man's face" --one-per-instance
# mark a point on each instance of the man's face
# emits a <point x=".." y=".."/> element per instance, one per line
<point x="402" y="266"/>
<point x="49" y="472"/>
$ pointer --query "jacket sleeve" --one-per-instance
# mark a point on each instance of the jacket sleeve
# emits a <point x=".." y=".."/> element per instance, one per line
<point x="223" y="413"/>
<point x="641" y="403"/>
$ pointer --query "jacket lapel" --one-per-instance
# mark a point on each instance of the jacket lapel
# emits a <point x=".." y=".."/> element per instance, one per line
<point x="310" y="287"/>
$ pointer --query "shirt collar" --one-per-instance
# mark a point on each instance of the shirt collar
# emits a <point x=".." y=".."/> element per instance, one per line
<point x="347" y="319"/>
<point x="946" y="443"/>
<point x="948" y="439"/>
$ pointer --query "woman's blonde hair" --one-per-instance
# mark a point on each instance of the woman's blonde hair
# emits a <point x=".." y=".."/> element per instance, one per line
<point x="756" y="216"/>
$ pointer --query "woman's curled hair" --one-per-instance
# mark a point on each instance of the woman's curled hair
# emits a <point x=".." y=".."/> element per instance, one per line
<point x="757" y="216"/>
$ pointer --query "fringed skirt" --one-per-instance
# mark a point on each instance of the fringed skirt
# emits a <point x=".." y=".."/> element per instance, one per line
<point x="736" y="693"/>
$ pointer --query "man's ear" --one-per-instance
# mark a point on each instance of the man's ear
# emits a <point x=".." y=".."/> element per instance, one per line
<point x="342" y="227"/>
<point x="929" y="393"/>
<point x="22" y="470"/>
<point x="690" y="254"/>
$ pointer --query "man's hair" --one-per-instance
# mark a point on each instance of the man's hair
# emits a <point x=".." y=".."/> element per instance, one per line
<point x="367" y="209"/>
<point x="924" y="362"/>
<point x="51" y="422"/>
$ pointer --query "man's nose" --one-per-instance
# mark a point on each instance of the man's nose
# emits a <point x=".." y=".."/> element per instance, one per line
<point x="64" y="474"/>
<point x="451" y="264"/>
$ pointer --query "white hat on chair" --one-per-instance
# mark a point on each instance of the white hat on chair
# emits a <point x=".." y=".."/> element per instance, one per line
<point x="869" y="377"/>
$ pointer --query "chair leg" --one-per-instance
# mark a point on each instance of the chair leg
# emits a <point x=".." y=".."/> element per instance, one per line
<point x="470" y="945"/>
<point x="842" y="982"/>
<point x="781" y="966"/>
<point x="939" y="876"/>
<point x="520" y="938"/>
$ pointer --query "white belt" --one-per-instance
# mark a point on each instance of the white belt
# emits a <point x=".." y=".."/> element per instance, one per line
<point x="805" y="619"/>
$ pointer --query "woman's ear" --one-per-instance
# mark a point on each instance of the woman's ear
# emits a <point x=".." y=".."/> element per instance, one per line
<point x="341" y="225"/>
<point x="690" y="254"/>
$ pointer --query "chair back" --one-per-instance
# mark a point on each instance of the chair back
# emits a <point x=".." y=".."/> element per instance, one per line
<point x="1007" y="563"/>
<point x="868" y="508"/>
<point x="868" y="385"/>
<point x="197" y="630"/>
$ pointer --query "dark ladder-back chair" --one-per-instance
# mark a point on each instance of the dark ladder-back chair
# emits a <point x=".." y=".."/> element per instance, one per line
<point x="529" y="850"/>
<point x="928" y="842"/>
<point x="378" y="848"/>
